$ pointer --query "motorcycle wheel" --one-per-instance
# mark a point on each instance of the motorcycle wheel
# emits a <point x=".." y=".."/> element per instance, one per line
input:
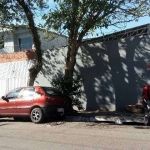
<point x="147" y="121"/>
<point x="147" y="118"/>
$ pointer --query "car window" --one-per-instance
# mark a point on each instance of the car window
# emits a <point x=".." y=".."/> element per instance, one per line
<point x="51" y="91"/>
<point x="27" y="92"/>
<point x="13" y="94"/>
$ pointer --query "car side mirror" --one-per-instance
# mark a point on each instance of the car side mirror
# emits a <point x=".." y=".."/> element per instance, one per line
<point x="4" y="98"/>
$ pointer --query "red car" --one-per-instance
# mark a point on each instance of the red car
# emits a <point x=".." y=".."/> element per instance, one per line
<point x="36" y="102"/>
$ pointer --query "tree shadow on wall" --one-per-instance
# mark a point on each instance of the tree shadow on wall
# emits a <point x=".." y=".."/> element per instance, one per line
<point x="113" y="71"/>
<point x="96" y="73"/>
<point x="116" y="72"/>
<point x="137" y="58"/>
<point x="53" y="65"/>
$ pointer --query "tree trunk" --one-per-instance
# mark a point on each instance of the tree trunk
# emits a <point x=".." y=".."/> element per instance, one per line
<point x="34" y="70"/>
<point x="71" y="58"/>
<point x="70" y="63"/>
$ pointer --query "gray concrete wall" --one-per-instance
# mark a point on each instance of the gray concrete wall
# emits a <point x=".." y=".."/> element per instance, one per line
<point x="113" y="71"/>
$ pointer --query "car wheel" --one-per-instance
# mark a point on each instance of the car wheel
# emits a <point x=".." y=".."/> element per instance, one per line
<point x="37" y="115"/>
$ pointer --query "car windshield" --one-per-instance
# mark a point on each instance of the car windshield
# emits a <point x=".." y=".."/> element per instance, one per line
<point x="51" y="91"/>
<point x="14" y="93"/>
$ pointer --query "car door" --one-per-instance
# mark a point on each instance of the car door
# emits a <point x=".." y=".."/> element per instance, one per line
<point x="8" y="106"/>
<point x="25" y="101"/>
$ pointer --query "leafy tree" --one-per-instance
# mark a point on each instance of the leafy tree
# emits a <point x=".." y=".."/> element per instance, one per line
<point x="19" y="12"/>
<point x="71" y="87"/>
<point x="7" y="12"/>
<point x="35" y="69"/>
<point x="79" y="17"/>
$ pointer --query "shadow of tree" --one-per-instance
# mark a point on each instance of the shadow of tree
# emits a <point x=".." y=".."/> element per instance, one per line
<point x="95" y="71"/>
<point x="53" y="66"/>
<point x="142" y="127"/>
<point x="113" y="71"/>
<point x="3" y="124"/>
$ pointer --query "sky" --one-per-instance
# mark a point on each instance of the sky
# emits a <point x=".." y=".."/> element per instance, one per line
<point x="141" y="21"/>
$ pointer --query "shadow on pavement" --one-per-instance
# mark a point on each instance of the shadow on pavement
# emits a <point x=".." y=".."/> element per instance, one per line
<point x="142" y="127"/>
<point x="3" y="124"/>
<point x="114" y="118"/>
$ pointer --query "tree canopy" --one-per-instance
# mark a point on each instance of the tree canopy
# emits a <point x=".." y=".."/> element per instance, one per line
<point x="83" y="16"/>
<point x="12" y="13"/>
<point x="77" y="18"/>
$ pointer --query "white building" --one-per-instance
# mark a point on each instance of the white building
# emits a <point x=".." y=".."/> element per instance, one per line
<point x="20" y="39"/>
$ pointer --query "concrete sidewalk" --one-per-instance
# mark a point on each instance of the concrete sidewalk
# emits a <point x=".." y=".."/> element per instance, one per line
<point x="116" y="117"/>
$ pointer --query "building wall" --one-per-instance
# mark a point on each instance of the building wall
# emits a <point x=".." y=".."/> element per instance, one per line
<point x="14" y="70"/>
<point x="17" y="56"/>
<point x="51" y="40"/>
<point x="118" y="73"/>
<point x="11" y="40"/>
<point x="114" y="72"/>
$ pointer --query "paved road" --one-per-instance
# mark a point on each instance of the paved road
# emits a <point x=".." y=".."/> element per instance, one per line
<point x="72" y="136"/>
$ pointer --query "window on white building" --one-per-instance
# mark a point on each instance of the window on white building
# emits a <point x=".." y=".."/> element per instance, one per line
<point x="25" y="43"/>
<point x="1" y="44"/>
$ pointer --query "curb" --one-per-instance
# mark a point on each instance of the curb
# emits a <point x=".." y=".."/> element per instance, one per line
<point x="116" y="120"/>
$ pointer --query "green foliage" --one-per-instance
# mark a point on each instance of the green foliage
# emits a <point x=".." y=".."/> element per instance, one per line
<point x="79" y="17"/>
<point x="71" y="87"/>
<point x="11" y="13"/>
<point x="8" y="11"/>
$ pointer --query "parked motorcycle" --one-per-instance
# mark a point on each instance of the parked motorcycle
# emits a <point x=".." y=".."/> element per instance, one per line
<point x="147" y="112"/>
<point x="146" y="104"/>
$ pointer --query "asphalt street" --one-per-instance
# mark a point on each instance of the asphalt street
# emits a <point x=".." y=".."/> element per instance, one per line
<point x="62" y="135"/>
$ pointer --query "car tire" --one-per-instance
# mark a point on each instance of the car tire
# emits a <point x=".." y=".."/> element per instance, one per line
<point x="37" y="115"/>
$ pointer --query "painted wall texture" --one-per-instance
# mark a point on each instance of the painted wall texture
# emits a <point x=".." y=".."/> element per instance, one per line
<point x="17" y="56"/>
<point x="113" y="71"/>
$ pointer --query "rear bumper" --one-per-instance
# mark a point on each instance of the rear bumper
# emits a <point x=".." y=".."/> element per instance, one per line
<point x="54" y="110"/>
